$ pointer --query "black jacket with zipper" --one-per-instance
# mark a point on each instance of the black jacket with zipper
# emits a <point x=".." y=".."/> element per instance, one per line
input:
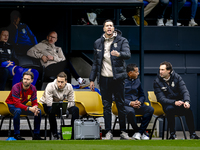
<point x="119" y="44"/>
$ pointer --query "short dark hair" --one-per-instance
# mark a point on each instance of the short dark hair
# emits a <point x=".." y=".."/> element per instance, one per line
<point x="28" y="73"/>
<point x="62" y="75"/>
<point x="108" y="20"/>
<point x="168" y="65"/>
<point x="131" y="67"/>
<point x="14" y="14"/>
<point x="3" y="29"/>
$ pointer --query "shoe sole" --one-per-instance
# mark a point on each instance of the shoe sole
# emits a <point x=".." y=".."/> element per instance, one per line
<point x="135" y="22"/>
<point x="81" y="87"/>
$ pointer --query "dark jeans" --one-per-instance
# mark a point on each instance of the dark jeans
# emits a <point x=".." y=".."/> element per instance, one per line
<point x="171" y="111"/>
<point x="66" y="66"/>
<point x="146" y="111"/>
<point x="163" y="6"/>
<point x="16" y="119"/>
<point x="52" y="118"/>
<point x="108" y="87"/>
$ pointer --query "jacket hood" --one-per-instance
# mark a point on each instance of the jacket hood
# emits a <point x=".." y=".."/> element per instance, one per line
<point x="119" y="33"/>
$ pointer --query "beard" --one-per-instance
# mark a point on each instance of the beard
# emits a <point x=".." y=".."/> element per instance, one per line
<point x="26" y="84"/>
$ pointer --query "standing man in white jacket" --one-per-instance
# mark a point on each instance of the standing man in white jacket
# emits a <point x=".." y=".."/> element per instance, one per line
<point x="56" y="91"/>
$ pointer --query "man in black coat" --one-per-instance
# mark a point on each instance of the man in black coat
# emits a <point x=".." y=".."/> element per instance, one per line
<point x="109" y="67"/>
<point x="172" y="93"/>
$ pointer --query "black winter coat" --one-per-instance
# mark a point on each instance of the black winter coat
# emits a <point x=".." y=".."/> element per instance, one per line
<point x="6" y="53"/>
<point x="119" y="44"/>
<point x="168" y="94"/>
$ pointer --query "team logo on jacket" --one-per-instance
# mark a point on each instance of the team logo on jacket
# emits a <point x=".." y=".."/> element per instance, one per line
<point x="173" y="84"/>
<point x="164" y="88"/>
<point x="115" y="45"/>
<point x="9" y="51"/>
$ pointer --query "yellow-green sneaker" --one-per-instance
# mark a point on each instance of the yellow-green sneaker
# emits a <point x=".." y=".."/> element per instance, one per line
<point x="136" y="18"/>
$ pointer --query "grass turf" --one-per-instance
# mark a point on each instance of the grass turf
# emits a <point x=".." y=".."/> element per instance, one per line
<point x="101" y="145"/>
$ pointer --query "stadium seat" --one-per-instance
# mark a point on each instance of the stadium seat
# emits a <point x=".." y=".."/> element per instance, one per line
<point x="89" y="103"/>
<point x="115" y="112"/>
<point x="5" y="113"/>
<point x="159" y="113"/>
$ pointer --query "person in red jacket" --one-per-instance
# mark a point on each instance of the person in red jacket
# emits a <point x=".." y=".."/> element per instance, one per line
<point x="20" y="94"/>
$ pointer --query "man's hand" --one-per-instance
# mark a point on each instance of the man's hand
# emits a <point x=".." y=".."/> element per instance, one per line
<point x="92" y="86"/>
<point x="135" y="104"/>
<point x="115" y="53"/>
<point x="44" y="59"/>
<point x="50" y="57"/>
<point x="34" y="110"/>
<point x="10" y="63"/>
<point x="179" y="103"/>
<point x="186" y="105"/>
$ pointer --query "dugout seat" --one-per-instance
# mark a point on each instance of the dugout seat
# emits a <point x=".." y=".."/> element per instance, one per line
<point x="159" y="113"/>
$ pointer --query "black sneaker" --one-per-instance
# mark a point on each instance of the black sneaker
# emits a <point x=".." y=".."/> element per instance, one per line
<point x="37" y="137"/>
<point x="18" y="137"/>
<point x="55" y="137"/>
<point x="194" y="136"/>
<point x="172" y="136"/>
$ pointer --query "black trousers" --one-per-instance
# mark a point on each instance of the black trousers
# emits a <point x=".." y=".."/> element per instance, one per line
<point x="172" y="110"/>
<point x="109" y="87"/>
<point x="52" y="117"/>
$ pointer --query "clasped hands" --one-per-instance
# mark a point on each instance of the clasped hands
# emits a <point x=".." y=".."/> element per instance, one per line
<point x="135" y="104"/>
<point x="47" y="58"/>
<point x="34" y="110"/>
<point x="185" y="104"/>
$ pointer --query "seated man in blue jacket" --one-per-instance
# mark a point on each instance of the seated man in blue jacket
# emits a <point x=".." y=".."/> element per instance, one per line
<point x="134" y="103"/>
<point x="172" y="93"/>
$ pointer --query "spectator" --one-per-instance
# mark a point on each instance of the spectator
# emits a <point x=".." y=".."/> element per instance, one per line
<point x="53" y="59"/>
<point x="20" y="94"/>
<point x="56" y="91"/>
<point x="134" y="103"/>
<point x="21" y="37"/>
<point x="110" y="51"/>
<point x="193" y="13"/>
<point x="162" y="8"/>
<point x="147" y="10"/>
<point x="8" y="61"/>
<point x="172" y="93"/>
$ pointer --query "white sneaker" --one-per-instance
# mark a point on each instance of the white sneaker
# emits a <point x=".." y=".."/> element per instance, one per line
<point x="137" y="136"/>
<point x="83" y="83"/>
<point x="144" y="137"/>
<point x="108" y="136"/>
<point x="192" y="23"/>
<point x="122" y="18"/>
<point x="170" y="23"/>
<point x="124" y="136"/>
<point x="92" y="18"/>
<point x="160" y="22"/>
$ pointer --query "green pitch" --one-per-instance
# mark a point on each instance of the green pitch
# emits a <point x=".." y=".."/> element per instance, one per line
<point x="101" y="145"/>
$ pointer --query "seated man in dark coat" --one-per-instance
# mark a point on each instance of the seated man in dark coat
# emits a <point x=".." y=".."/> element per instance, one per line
<point x="172" y="93"/>
<point x="134" y="103"/>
